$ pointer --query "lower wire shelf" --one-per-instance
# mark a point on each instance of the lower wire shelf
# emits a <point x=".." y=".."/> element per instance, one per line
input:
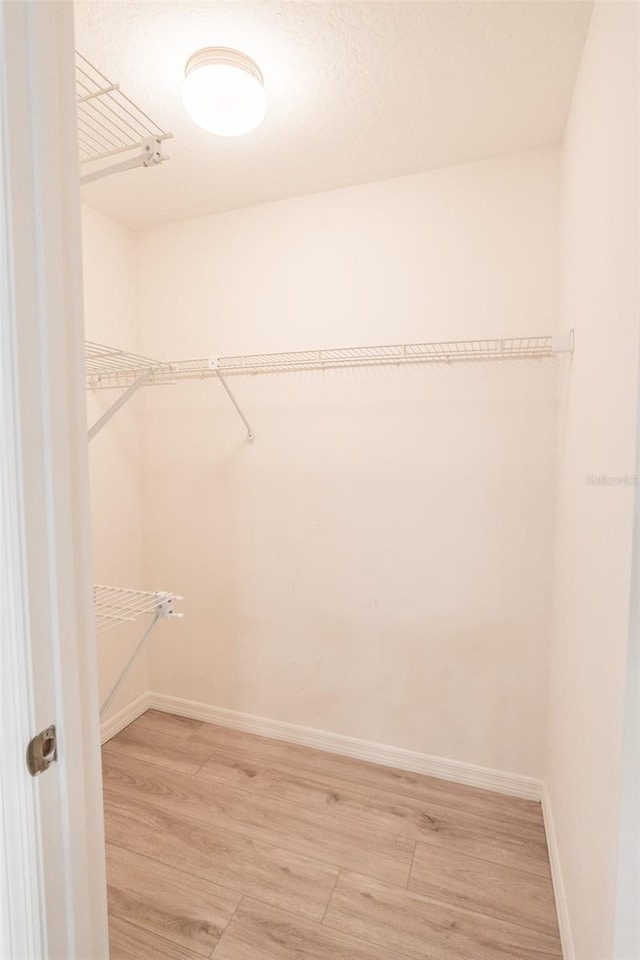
<point x="114" y="606"/>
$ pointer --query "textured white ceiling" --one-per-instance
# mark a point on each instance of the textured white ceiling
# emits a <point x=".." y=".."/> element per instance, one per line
<point x="358" y="91"/>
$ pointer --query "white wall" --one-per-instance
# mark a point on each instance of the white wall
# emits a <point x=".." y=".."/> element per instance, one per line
<point x="378" y="562"/>
<point x="594" y="523"/>
<point x="114" y="454"/>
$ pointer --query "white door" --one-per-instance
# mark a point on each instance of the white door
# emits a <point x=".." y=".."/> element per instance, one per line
<point x="51" y="830"/>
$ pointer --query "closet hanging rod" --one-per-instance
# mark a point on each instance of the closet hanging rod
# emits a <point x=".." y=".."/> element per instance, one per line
<point x="109" y="124"/>
<point x="114" y="606"/>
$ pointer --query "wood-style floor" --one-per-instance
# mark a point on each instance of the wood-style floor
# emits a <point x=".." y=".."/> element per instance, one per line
<point x="226" y="845"/>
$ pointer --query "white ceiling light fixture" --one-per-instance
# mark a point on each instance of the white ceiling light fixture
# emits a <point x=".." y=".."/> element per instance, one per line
<point x="223" y="91"/>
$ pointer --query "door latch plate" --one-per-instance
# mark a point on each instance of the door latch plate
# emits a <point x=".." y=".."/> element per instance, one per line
<point x="42" y="751"/>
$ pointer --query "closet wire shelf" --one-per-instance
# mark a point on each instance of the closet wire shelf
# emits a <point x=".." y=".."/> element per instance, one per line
<point x="108" y="368"/>
<point x="111" y="125"/>
<point x="114" y="606"/>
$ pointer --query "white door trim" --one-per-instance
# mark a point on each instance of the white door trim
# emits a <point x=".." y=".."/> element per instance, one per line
<point x="51" y="828"/>
<point x="627" y="905"/>
<point x="22" y="932"/>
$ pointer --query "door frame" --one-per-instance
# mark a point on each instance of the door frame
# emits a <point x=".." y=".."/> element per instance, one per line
<point x="53" y="886"/>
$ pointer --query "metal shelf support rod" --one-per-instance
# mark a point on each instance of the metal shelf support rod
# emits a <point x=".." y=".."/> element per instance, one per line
<point x="100" y="92"/>
<point x="158" y="615"/>
<point x="120" y="402"/>
<point x="250" y="433"/>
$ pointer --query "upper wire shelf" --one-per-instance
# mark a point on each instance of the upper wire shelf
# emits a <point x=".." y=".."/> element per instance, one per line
<point x="110" y="124"/>
<point x="112" y="368"/>
<point x="388" y="354"/>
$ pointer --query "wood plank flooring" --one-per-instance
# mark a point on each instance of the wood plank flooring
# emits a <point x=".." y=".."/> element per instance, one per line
<point x="226" y="845"/>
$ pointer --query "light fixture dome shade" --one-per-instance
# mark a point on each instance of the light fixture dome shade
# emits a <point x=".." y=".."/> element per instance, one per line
<point x="223" y="91"/>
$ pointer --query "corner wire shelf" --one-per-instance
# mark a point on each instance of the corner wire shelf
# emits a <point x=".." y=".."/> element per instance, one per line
<point x="108" y="368"/>
<point x="114" y="606"/>
<point x="111" y="125"/>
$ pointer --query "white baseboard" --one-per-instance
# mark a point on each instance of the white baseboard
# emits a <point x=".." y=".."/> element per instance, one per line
<point x="562" y="908"/>
<point x="512" y="784"/>
<point x="122" y="719"/>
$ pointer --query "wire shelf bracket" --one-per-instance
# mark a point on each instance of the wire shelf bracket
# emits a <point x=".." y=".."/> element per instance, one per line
<point x="101" y="362"/>
<point x="115" y="369"/>
<point x="116" y="605"/>
<point x="214" y="365"/>
<point x="113" y="409"/>
<point x="108" y="368"/>
<point x="111" y="125"/>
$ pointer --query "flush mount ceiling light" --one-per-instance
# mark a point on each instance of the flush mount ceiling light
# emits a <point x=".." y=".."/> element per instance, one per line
<point x="223" y="91"/>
